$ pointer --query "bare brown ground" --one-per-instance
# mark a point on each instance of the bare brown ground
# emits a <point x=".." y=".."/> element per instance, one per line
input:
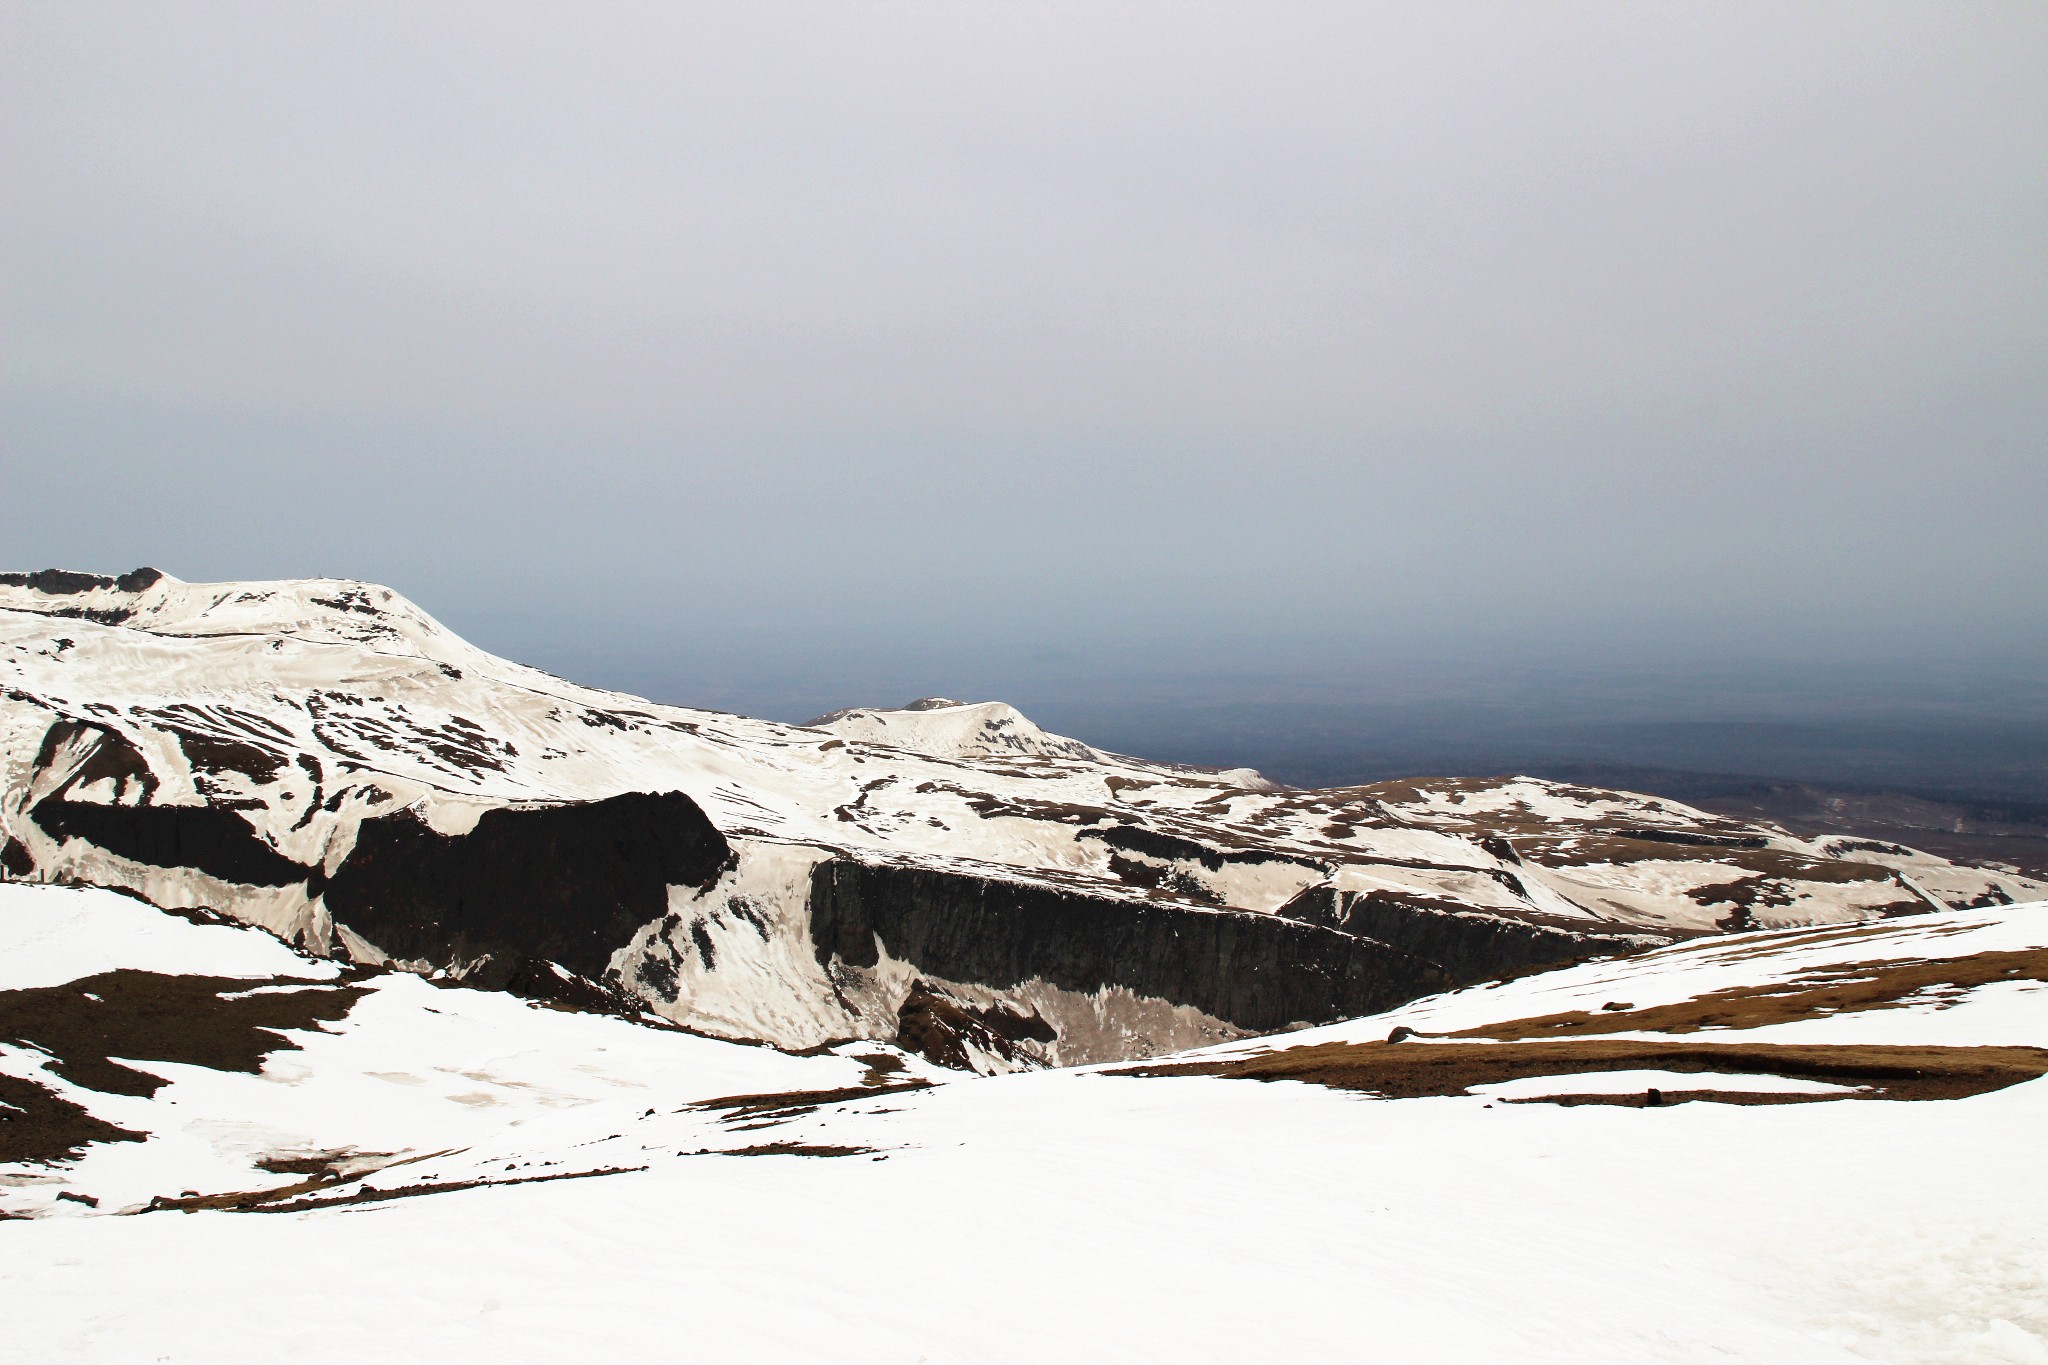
<point x="37" y="1124"/>
<point x="149" y="1017"/>
<point x="303" y="1195"/>
<point x="795" y="1149"/>
<point x="145" y="1017"/>
<point x="1811" y="995"/>
<point x="322" y="1172"/>
<point x="801" y="1101"/>
<point x="294" y="1198"/>
<point x="1785" y="939"/>
<point x="340" y="1161"/>
<point x="1415" y="1069"/>
<point x="1569" y="1043"/>
<point x="380" y="1196"/>
<point x="1641" y="1100"/>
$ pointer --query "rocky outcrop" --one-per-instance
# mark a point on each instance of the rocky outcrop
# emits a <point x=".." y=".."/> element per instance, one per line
<point x="565" y="884"/>
<point x="952" y="1032"/>
<point x="1256" y="972"/>
<point x="65" y="582"/>
<point x="1469" y="945"/>
<point x="217" y="842"/>
<point x="75" y="757"/>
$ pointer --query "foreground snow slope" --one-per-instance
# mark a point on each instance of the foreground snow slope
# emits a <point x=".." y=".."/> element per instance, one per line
<point x="709" y="1201"/>
<point x="322" y="758"/>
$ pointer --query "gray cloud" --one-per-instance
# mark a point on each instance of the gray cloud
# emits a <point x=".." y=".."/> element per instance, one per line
<point x="1235" y="332"/>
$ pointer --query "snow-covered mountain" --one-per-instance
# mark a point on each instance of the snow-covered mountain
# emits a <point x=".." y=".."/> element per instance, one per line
<point x="322" y="759"/>
<point x="1814" y="1145"/>
<point x="944" y="728"/>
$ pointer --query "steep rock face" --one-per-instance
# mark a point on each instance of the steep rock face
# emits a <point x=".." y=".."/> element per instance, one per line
<point x="206" y="838"/>
<point x="100" y="789"/>
<point x="1253" y="972"/>
<point x="1469" y="945"/>
<point x="563" y="884"/>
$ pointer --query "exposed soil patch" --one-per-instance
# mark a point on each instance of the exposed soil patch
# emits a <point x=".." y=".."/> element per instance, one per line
<point x="1694" y="838"/>
<point x="802" y="1101"/>
<point x="323" y="1170"/>
<point x="1619" y="849"/>
<point x="36" y="1124"/>
<point x="1172" y="847"/>
<point x="341" y="1162"/>
<point x="1669" y="1097"/>
<point x="1813" y="994"/>
<point x="379" y="1196"/>
<point x="145" y="1016"/>
<point x="1413" y="1069"/>
<point x="236" y="1201"/>
<point x="795" y="1149"/>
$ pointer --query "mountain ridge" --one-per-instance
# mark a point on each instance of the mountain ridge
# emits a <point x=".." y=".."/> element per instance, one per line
<point x="259" y="747"/>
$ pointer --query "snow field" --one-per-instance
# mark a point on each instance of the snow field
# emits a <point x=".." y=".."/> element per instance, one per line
<point x="1063" y="1214"/>
<point x="1055" y="1215"/>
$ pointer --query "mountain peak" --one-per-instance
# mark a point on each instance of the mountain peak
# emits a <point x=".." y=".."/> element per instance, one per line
<point x="943" y="728"/>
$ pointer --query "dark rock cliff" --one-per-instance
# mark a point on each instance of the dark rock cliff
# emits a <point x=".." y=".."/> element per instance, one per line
<point x="567" y="884"/>
<point x="1257" y="972"/>
<point x="211" y="839"/>
<point x="1470" y="945"/>
<point x="217" y="842"/>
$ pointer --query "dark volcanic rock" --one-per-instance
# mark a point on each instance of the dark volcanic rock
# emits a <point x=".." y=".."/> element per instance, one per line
<point x="1471" y="945"/>
<point x="210" y="839"/>
<point x="567" y="884"/>
<point x="109" y="755"/>
<point x="1695" y="838"/>
<point x="1171" y="847"/>
<point x="65" y="582"/>
<point x="941" y="1027"/>
<point x="1257" y="972"/>
<point x="532" y="979"/>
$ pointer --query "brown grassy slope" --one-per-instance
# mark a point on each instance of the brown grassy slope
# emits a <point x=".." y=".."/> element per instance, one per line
<point x="1413" y="1069"/>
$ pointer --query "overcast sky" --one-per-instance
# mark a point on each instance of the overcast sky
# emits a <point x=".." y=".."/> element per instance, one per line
<point x="1283" y="335"/>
